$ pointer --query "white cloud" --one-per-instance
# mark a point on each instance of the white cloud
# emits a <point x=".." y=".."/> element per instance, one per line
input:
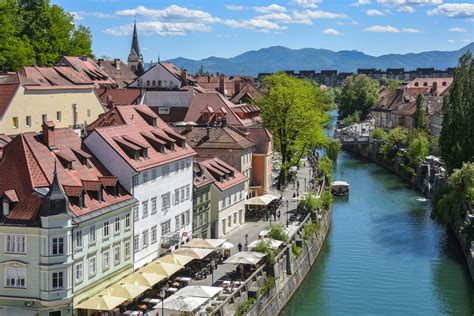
<point x="454" y="10"/>
<point x="233" y="7"/>
<point x="253" y="24"/>
<point x="160" y="28"/>
<point x="309" y="4"/>
<point x="409" y="2"/>
<point x="172" y="12"/>
<point x="270" y="8"/>
<point x="458" y="30"/>
<point x="374" y="12"/>
<point x="331" y="32"/>
<point x="309" y="15"/>
<point x="406" y="9"/>
<point x="451" y="41"/>
<point x="360" y="2"/>
<point x="76" y="16"/>
<point x="389" y="29"/>
<point x="283" y="17"/>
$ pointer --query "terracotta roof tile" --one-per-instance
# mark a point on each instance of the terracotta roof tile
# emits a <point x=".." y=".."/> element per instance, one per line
<point x="7" y="91"/>
<point x="202" y="177"/>
<point x="219" y="138"/>
<point x="119" y="96"/>
<point x="223" y="180"/>
<point x="118" y="71"/>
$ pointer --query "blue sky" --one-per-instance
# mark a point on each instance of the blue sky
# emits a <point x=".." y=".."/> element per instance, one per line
<point x="199" y="29"/>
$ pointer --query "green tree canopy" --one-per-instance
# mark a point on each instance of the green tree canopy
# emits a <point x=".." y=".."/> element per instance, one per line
<point x="457" y="134"/>
<point x="379" y="134"/>
<point x="396" y="138"/>
<point x="39" y="32"/>
<point x="420" y="118"/>
<point x="332" y="149"/>
<point x="418" y="148"/>
<point x="295" y="111"/>
<point x="358" y="93"/>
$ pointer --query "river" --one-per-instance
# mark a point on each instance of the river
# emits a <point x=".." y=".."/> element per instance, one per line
<point x="383" y="255"/>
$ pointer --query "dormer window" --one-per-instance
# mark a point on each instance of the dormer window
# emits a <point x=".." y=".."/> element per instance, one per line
<point x="444" y="84"/>
<point x="416" y="84"/>
<point x="5" y="207"/>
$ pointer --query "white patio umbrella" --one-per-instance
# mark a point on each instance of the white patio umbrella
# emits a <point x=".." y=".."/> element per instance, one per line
<point x="261" y="200"/>
<point x="273" y="243"/>
<point x="199" y="291"/>
<point x="227" y="245"/>
<point x="183" y="304"/>
<point x="246" y="257"/>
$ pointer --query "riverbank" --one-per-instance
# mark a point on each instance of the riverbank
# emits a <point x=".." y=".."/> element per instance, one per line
<point x="425" y="184"/>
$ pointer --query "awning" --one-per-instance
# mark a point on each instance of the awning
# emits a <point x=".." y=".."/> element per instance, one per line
<point x="199" y="291"/>
<point x="125" y="290"/>
<point x="182" y="304"/>
<point x="161" y="268"/>
<point x="261" y="200"/>
<point x="102" y="302"/>
<point x="275" y="244"/>
<point x="204" y="243"/>
<point x="196" y="253"/>
<point x="176" y="259"/>
<point x="246" y="257"/>
<point x="144" y="278"/>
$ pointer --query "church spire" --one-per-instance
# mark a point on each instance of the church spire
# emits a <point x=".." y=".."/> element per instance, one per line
<point x="135" y="49"/>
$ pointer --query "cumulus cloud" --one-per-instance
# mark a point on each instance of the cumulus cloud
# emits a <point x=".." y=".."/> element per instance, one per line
<point x="331" y="32"/>
<point x="80" y="15"/>
<point x="253" y="24"/>
<point x="374" y="12"/>
<point x="309" y="4"/>
<point x="233" y="7"/>
<point x="409" y="2"/>
<point x="173" y="12"/>
<point x="282" y="17"/>
<point x="451" y="41"/>
<point x="160" y="28"/>
<point x="454" y="10"/>
<point x="458" y="30"/>
<point x="360" y="2"/>
<point x="270" y="8"/>
<point x="406" y="9"/>
<point x="389" y="29"/>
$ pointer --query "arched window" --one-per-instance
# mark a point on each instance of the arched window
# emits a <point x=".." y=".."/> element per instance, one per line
<point x="416" y="84"/>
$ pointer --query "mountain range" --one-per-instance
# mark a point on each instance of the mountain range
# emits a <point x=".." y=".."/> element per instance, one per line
<point x="278" y="58"/>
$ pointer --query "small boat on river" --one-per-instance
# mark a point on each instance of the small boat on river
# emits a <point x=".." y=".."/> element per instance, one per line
<point x="340" y="188"/>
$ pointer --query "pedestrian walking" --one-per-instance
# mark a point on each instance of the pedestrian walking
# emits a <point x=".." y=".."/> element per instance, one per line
<point x="279" y="214"/>
<point x="246" y="247"/>
<point x="239" y="246"/>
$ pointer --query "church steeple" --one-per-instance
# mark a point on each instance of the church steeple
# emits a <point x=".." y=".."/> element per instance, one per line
<point x="135" y="57"/>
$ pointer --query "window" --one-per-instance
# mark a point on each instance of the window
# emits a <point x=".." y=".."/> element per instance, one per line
<point x="127" y="249"/>
<point x="58" y="246"/>
<point x="165" y="201"/>
<point x="145" y="238"/>
<point x="117" y="225"/>
<point x="106" y="260"/>
<point x="92" y="237"/>
<point x="105" y="232"/>
<point x="145" y="177"/>
<point x="88" y="113"/>
<point x="188" y="217"/>
<point x="229" y="221"/>
<point x="188" y="192"/>
<point x="166" y="228"/>
<point x="176" y="222"/>
<point x="182" y="220"/>
<point x="153" y="83"/>
<point x="16" y="244"/>
<point x="127" y="220"/>
<point x="176" y="196"/>
<point x="145" y="208"/>
<point x="58" y="116"/>
<point x="15" y="277"/>
<point x="135" y="181"/>
<point x="153" y="205"/>
<point x="183" y="193"/>
<point x="57" y="280"/>
<point x="148" y="83"/>
<point x="136" y="243"/>
<point x="44" y="118"/>
<point x="163" y="110"/>
<point x="181" y="164"/>
<point x="117" y="255"/>
<point x="154" y="236"/>
<point x="28" y="121"/>
<point x="136" y="213"/>
<point x="235" y="218"/>
<point x="153" y="174"/>
<point x="79" y="271"/>
<point x="15" y="122"/>
<point x="79" y="239"/>
<point x="92" y="266"/>
<point x="166" y="171"/>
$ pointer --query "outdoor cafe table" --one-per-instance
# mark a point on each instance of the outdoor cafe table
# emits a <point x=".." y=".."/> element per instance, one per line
<point x="183" y="279"/>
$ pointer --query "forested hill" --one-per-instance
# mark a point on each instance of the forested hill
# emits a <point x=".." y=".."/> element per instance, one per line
<point x="281" y="58"/>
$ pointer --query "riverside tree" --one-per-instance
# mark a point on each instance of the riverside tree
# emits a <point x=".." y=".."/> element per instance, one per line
<point x="457" y="134"/>
<point x="420" y="119"/>
<point x="295" y="111"/>
<point x="418" y="148"/>
<point x="39" y="32"/>
<point x="358" y="94"/>
<point x="396" y="138"/>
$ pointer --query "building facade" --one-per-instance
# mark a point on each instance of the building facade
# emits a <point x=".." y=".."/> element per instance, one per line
<point x="203" y="182"/>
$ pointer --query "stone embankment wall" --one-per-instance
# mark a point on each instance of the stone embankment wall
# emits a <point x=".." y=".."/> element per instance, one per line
<point x="426" y="181"/>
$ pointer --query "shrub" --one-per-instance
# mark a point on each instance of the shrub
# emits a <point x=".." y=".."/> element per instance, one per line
<point x="265" y="248"/>
<point x="325" y="166"/>
<point x="244" y="308"/>
<point x="278" y="232"/>
<point x="310" y="203"/>
<point x="379" y="134"/>
<point x="269" y="284"/>
<point x="326" y="199"/>
<point x="332" y="149"/>
<point x="295" y="249"/>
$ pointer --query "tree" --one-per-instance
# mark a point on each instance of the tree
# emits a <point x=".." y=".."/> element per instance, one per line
<point x="358" y="93"/>
<point x="38" y="32"/>
<point x="294" y="110"/>
<point x="420" y="118"/>
<point x="379" y="134"/>
<point x="278" y="232"/>
<point x="457" y="133"/>
<point x="325" y="166"/>
<point x="332" y="149"/>
<point x="310" y="203"/>
<point x="397" y="137"/>
<point x="418" y="148"/>
<point x="140" y="70"/>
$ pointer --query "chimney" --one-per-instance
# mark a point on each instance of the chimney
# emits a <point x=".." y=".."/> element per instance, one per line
<point x="83" y="58"/>
<point x="117" y="63"/>
<point x="208" y="132"/>
<point x="222" y="83"/>
<point x="208" y="79"/>
<point x="49" y="137"/>
<point x="100" y="61"/>
<point x="189" y="128"/>
<point x="184" y="75"/>
<point x="236" y="87"/>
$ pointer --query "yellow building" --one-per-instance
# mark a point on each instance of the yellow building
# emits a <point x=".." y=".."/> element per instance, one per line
<point x="37" y="94"/>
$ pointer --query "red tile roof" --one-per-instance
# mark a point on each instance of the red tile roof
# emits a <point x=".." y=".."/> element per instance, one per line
<point x="7" y="92"/>
<point x="119" y="96"/>
<point x="219" y="137"/>
<point x="247" y="91"/>
<point x="225" y="176"/>
<point x="28" y="164"/>
<point x="202" y="177"/>
<point x="118" y="71"/>
<point x="441" y="84"/>
<point x="131" y="132"/>
<point x="261" y="138"/>
<point x="89" y="68"/>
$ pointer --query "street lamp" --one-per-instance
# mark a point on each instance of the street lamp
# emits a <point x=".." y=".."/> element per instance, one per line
<point x="287" y="221"/>
<point x="213" y="264"/>
<point x="162" y="295"/>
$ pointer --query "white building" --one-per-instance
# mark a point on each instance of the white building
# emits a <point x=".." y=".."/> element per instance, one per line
<point x="155" y="165"/>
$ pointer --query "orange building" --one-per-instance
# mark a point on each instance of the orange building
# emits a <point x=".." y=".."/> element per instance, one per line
<point x="262" y="157"/>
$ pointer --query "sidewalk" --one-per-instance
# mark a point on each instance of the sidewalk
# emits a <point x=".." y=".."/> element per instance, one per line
<point x="254" y="228"/>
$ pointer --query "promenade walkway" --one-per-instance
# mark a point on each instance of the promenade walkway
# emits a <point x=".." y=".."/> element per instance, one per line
<point x="252" y="229"/>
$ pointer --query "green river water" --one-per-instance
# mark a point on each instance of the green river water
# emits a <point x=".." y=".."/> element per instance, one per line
<point x="383" y="255"/>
